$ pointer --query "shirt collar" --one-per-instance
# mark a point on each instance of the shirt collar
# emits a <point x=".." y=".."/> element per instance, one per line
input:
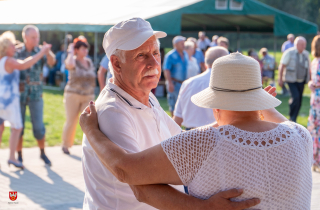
<point x="128" y="99"/>
<point x="35" y="49"/>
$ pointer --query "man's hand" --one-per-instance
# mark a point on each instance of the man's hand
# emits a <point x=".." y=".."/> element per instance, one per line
<point x="222" y="201"/>
<point x="171" y="87"/>
<point x="45" y="48"/>
<point x="271" y="90"/>
<point x="88" y="119"/>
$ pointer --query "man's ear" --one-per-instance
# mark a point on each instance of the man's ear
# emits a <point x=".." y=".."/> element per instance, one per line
<point x="115" y="62"/>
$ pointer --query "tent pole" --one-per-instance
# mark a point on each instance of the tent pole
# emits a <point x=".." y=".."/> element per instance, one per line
<point x="95" y="55"/>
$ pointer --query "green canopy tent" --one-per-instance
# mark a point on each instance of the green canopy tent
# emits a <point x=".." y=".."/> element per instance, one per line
<point x="233" y="16"/>
<point x="172" y="16"/>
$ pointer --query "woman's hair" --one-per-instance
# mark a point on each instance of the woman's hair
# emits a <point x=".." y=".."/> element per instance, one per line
<point x="6" y="39"/>
<point x="315" y="46"/>
<point x="188" y="44"/>
<point x="80" y="41"/>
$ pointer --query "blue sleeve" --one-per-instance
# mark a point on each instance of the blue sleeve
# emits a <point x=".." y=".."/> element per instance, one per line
<point x="167" y="63"/>
<point x="201" y="57"/>
<point x="104" y="62"/>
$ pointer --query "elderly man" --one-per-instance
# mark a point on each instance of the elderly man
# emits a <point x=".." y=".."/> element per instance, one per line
<point x="214" y="42"/>
<point x="203" y="42"/>
<point x="103" y="70"/>
<point x="288" y="44"/>
<point x="268" y="64"/>
<point x="223" y="42"/>
<point x="294" y="69"/>
<point x="187" y="113"/>
<point x="198" y="54"/>
<point x="175" y="70"/>
<point x="31" y="88"/>
<point x="132" y="118"/>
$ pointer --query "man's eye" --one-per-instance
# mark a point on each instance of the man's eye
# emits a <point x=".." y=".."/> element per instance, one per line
<point x="140" y="55"/>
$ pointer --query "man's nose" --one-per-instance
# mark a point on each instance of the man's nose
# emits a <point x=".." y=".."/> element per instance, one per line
<point x="153" y="61"/>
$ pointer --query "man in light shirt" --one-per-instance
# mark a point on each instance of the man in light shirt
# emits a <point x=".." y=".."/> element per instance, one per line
<point x="294" y="70"/>
<point x="288" y="44"/>
<point x="214" y="42"/>
<point x="187" y="113"/>
<point x="223" y="42"/>
<point x="203" y="42"/>
<point x="130" y="115"/>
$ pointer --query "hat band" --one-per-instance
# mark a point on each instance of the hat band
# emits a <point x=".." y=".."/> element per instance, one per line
<point x="228" y="90"/>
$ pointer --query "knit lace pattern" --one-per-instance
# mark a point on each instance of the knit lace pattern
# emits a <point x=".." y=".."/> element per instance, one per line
<point x="274" y="166"/>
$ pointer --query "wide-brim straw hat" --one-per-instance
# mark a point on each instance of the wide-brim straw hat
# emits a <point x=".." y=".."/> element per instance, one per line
<point x="235" y="84"/>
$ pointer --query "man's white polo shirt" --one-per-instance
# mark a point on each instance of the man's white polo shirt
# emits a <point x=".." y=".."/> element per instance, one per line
<point x="192" y="115"/>
<point x="134" y="127"/>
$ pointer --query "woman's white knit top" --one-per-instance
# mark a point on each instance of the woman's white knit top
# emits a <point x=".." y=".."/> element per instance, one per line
<point x="274" y="166"/>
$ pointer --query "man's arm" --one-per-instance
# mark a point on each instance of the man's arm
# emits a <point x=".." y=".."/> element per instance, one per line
<point x="178" y="120"/>
<point x="102" y="77"/>
<point x="281" y="68"/>
<point x="166" y="197"/>
<point x="51" y="58"/>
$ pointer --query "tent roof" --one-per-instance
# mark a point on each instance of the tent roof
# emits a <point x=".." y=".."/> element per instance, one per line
<point x="170" y="16"/>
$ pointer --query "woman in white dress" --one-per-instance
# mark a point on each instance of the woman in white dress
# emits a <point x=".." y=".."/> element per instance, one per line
<point x="253" y="147"/>
<point x="9" y="88"/>
<point x="193" y="67"/>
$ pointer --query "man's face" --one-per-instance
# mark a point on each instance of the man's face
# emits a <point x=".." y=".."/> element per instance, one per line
<point x="201" y="36"/>
<point x="301" y="46"/>
<point x="291" y="39"/>
<point x="32" y="38"/>
<point x="223" y="44"/>
<point x="264" y="54"/>
<point x="179" y="46"/>
<point x="142" y="68"/>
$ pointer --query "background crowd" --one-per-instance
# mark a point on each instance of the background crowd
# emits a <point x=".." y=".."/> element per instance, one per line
<point x="183" y="64"/>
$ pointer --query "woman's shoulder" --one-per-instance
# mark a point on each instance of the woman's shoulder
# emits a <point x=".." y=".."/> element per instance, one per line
<point x="297" y="131"/>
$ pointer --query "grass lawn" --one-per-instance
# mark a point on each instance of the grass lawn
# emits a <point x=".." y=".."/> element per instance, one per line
<point x="54" y="118"/>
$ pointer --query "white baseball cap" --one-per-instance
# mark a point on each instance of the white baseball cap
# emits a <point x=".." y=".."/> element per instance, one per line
<point x="129" y="35"/>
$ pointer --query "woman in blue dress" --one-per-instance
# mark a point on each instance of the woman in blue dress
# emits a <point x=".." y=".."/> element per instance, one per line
<point x="9" y="88"/>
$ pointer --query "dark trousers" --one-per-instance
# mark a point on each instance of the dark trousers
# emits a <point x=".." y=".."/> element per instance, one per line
<point x="296" y="89"/>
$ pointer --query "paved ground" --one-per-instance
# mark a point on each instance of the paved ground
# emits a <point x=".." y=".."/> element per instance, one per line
<point x="60" y="187"/>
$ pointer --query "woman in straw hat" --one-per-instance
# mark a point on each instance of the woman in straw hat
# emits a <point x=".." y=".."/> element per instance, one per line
<point x="9" y="88"/>
<point x="267" y="156"/>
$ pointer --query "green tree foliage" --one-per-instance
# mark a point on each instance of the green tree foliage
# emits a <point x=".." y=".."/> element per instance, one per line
<point x="306" y="9"/>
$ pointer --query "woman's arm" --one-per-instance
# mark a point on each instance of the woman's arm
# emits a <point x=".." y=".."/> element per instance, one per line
<point x="70" y="61"/>
<point x="152" y="166"/>
<point x="12" y="64"/>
